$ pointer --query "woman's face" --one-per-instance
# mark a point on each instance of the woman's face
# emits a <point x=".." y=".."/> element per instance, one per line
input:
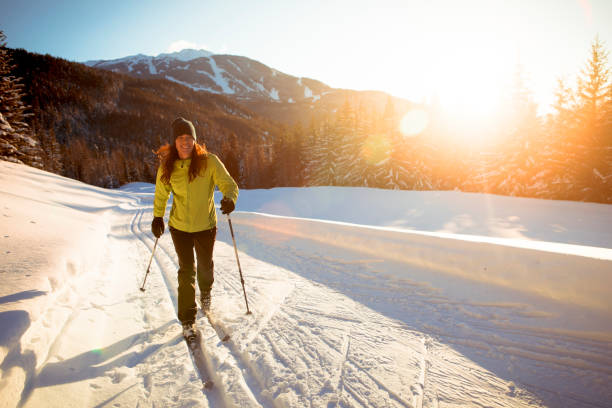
<point x="184" y="145"/>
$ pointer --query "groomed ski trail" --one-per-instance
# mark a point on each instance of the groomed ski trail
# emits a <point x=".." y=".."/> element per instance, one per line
<point x="115" y="347"/>
<point x="286" y="353"/>
<point x="221" y="366"/>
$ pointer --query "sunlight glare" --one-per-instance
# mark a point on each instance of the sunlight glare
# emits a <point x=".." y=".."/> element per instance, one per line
<point x="472" y="78"/>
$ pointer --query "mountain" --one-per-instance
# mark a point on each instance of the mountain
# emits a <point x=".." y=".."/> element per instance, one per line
<point x="236" y="76"/>
<point x="101" y="127"/>
<point x="264" y="90"/>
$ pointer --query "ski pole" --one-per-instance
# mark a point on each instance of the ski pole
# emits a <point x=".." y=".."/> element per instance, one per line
<point x="149" y="267"/>
<point x="229" y="220"/>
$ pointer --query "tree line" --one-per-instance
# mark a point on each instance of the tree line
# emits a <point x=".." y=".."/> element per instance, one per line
<point x="101" y="127"/>
<point x="565" y="155"/>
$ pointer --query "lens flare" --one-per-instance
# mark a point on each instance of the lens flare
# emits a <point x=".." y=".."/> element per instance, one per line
<point x="376" y="149"/>
<point x="414" y="122"/>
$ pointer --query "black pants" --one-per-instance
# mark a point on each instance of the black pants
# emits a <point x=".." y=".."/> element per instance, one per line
<point x="184" y="243"/>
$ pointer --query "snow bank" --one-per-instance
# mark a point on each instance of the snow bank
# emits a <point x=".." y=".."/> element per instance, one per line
<point x="541" y="272"/>
<point x="586" y="224"/>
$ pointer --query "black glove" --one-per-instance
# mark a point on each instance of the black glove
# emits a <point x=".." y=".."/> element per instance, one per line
<point x="227" y="205"/>
<point x="157" y="226"/>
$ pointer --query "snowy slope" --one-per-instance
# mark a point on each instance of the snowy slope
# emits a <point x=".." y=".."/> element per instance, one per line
<point x="233" y="75"/>
<point x="360" y="297"/>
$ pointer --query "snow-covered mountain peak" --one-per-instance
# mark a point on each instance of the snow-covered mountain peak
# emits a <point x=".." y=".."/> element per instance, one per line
<point x="186" y="54"/>
<point x="203" y="70"/>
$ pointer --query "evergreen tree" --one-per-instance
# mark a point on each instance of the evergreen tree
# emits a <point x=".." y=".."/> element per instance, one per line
<point x="297" y="152"/>
<point x="310" y="149"/>
<point x="325" y="157"/>
<point x="522" y="141"/>
<point x="348" y="145"/>
<point x="594" y="161"/>
<point x="229" y="154"/>
<point x="358" y="172"/>
<point x="564" y="105"/>
<point x="17" y="143"/>
<point x="282" y="159"/>
<point x="593" y="91"/>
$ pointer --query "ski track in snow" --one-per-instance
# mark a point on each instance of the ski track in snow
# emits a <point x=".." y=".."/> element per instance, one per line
<point x="268" y="330"/>
<point x="145" y="368"/>
<point x="331" y="327"/>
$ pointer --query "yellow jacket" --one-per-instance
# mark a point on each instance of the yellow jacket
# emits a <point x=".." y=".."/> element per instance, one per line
<point x="193" y="208"/>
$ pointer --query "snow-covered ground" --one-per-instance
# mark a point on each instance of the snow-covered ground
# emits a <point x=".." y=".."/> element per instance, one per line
<point x="360" y="297"/>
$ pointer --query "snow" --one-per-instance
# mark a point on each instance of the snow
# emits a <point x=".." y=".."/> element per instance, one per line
<point x="186" y="54"/>
<point x="219" y="79"/>
<point x="195" y="88"/>
<point x="245" y="86"/>
<point x="274" y="94"/>
<point x="183" y="55"/>
<point x="360" y="297"/>
<point x="152" y="69"/>
<point x="234" y="65"/>
<point x="307" y="91"/>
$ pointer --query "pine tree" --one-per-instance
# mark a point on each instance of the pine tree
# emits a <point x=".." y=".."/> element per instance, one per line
<point x="523" y="138"/>
<point x="564" y="105"/>
<point x="358" y="171"/>
<point x="310" y="149"/>
<point x="229" y="154"/>
<point x="282" y="158"/>
<point x="595" y="159"/>
<point x="348" y="148"/>
<point x="593" y="91"/>
<point x="17" y="142"/>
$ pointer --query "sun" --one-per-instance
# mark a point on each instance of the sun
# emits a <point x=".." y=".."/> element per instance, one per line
<point x="471" y="90"/>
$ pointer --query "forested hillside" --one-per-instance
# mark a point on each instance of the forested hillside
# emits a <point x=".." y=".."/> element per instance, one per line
<point x="564" y="155"/>
<point x="102" y="127"/>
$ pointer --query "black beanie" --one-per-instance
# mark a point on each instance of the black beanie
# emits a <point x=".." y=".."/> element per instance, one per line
<point x="182" y="126"/>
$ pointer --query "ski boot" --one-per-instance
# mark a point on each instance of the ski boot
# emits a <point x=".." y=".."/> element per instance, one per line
<point x="190" y="334"/>
<point x="205" y="302"/>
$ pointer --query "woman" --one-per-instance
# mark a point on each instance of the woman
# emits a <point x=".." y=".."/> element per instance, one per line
<point x="190" y="173"/>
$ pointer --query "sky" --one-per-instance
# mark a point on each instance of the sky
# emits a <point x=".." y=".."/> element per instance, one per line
<point x="463" y="54"/>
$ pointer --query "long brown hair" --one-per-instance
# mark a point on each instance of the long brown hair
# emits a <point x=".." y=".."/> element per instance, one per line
<point x="168" y="154"/>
